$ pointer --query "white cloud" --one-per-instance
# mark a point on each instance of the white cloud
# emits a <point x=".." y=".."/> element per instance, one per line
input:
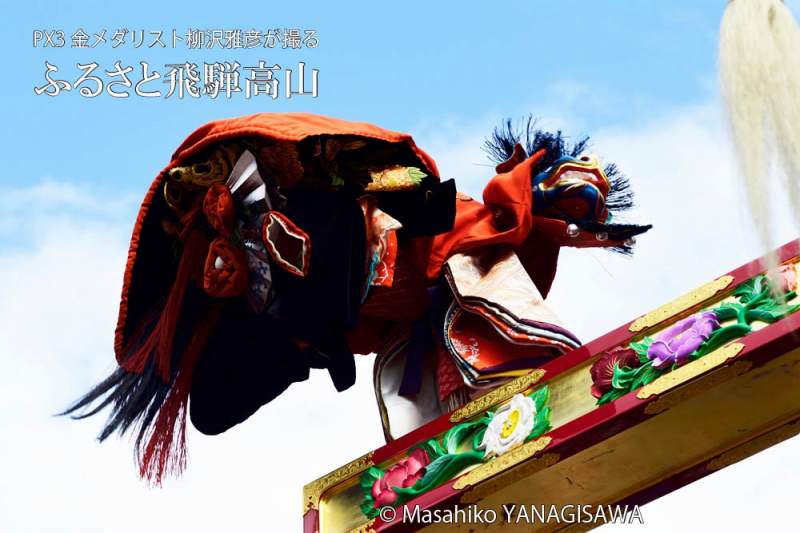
<point x="58" y="305"/>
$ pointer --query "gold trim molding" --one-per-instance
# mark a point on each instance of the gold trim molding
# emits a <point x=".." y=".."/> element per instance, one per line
<point x="673" y="398"/>
<point x="482" y="403"/>
<point x="678" y="306"/>
<point x="502" y="463"/>
<point x="312" y="493"/>
<point x="752" y="447"/>
<point x="510" y="477"/>
<point x="690" y="371"/>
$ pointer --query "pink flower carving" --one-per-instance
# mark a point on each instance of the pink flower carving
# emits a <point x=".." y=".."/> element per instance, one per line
<point x="403" y="474"/>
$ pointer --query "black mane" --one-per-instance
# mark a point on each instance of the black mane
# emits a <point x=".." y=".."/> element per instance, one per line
<point x="499" y="146"/>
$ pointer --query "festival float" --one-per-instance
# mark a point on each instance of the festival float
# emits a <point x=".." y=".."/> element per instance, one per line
<point x="679" y="393"/>
<point x="273" y="244"/>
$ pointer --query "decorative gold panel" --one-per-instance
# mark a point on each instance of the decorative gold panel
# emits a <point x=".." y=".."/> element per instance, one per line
<point x="502" y="463"/>
<point x="678" y="306"/>
<point x="314" y="490"/>
<point x="694" y="388"/>
<point x="482" y="403"/>
<point x="690" y="371"/>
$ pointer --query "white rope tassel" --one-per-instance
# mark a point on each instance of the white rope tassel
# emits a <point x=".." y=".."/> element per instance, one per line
<point x="760" y="79"/>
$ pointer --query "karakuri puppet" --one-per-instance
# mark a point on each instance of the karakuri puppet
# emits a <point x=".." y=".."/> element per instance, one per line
<point x="276" y="243"/>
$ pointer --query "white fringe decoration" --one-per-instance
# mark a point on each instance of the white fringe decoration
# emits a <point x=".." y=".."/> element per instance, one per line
<point x="760" y="79"/>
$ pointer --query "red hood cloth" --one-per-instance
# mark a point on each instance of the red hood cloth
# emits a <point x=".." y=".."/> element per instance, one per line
<point x="290" y="127"/>
<point x="162" y="310"/>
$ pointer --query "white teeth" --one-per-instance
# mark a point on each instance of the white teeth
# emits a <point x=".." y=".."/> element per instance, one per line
<point x="219" y="263"/>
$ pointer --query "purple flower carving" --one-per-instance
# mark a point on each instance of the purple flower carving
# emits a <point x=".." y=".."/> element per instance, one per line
<point x="675" y="344"/>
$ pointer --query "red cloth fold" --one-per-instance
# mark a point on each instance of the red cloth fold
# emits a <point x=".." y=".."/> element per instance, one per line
<point x="225" y="272"/>
<point x="219" y="209"/>
<point x="289" y="127"/>
<point x="504" y="217"/>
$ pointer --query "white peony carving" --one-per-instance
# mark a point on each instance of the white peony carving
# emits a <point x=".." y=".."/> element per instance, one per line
<point x="510" y="426"/>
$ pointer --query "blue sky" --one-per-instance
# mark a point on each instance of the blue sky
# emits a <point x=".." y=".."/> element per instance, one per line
<point x="398" y="67"/>
<point x="640" y="76"/>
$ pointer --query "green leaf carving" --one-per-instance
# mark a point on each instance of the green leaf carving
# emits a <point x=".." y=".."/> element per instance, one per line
<point x="439" y="471"/>
<point x="432" y="447"/>
<point x="622" y="377"/>
<point x="368" y="507"/>
<point x="456" y="435"/>
<point x="478" y="438"/>
<point x="611" y="395"/>
<point x="644" y="375"/>
<point x="540" y="397"/>
<point x="727" y="311"/>
<point x="541" y="424"/>
<point x="641" y="348"/>
<point x="369" y="477"/>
